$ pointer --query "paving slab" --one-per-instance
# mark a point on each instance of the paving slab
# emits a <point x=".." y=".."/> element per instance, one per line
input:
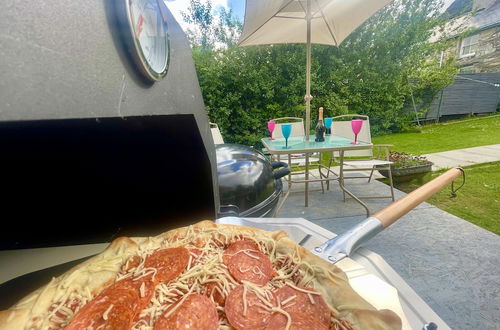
<point x="464" y="157"/>
<point x="452" y="264"/>
<point x="493" y="147"/>
<point x="330" y="204"/>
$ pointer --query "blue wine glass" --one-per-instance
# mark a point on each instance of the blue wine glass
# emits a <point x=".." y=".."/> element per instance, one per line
<point x="286" y="129"/>
<point x="328" y="124"/>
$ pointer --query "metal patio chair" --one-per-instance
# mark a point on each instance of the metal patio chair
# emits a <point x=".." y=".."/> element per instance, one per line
<point x="360" y="160"/>
<point x="295" y="160"/>
<point x="297" y="130"/>
<point x="216" y="135"/>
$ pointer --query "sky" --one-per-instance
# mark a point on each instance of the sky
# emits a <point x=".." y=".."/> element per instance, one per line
<point x="238" y="7"/>
<point x="178" y="6"/>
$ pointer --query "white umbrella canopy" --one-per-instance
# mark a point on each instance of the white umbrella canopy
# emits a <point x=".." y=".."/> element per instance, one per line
<point x="326" y="22"/>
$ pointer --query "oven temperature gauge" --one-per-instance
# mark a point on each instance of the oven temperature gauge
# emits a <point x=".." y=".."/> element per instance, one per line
<point x="147" y="22"/>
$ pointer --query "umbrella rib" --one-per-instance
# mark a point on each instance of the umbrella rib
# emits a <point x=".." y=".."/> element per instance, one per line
<point x="312" y="16"/>
<point x="300" y="4"/>
<point x="326" y="23"/>
<point x="275" y="15"/>
<point x="289" y="17"/>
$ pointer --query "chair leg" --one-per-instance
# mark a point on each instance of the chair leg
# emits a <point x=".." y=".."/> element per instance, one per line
<point x="330" y="163"/>
<point x="322" y="184"/>
<point x="289" y="175"/>
<point x="390" y="181"/>
<point x="321" y="173"/>
<point x="371" y="174"/>
<point x="341" y="178"/>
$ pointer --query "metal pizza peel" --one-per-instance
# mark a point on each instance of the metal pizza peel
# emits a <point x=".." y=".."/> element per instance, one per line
<point x="344" y="245"/>
<point x="368" y="273"/>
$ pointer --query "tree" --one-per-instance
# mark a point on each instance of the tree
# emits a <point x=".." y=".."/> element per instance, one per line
<point x="368" y="74"/>
<point x="211" y="29"/>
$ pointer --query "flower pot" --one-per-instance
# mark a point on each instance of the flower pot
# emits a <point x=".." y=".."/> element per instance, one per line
<point x="407" y="173"/>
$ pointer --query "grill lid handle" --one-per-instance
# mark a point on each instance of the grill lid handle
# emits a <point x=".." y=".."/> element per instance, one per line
<point x="283" y="169"/>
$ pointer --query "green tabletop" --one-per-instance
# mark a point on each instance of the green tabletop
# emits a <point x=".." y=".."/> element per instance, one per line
<point x="299" y="144"/>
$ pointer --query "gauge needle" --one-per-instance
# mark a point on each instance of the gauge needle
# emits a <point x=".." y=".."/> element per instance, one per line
<point x="139" y="27"/>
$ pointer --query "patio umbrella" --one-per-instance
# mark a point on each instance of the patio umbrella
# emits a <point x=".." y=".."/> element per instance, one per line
<point x="326" y="22"/>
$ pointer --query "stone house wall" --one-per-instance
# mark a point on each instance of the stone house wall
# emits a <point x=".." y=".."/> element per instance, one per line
<point x="487" y="55"/>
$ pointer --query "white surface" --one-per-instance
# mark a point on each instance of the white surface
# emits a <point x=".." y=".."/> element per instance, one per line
<point x="368" y="273"/>
<point x="343" y="128"/>
<point x="283" y="21"/>
<point x="15" y="263"/>
<point x="297" y="128"/>
<point x="216" y="134"/>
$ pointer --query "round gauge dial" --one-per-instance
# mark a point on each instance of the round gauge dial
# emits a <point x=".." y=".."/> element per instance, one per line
<point x="147" y="21"/>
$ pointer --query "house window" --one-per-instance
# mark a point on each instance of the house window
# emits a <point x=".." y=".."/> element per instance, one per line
<point x="468" y="46"/>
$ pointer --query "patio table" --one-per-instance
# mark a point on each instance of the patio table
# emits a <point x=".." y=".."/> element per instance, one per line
<point x="299" y="145"/>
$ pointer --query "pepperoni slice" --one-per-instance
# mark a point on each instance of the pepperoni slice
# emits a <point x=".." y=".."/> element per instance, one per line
<point x="237" y="247"/>
<point x="195" y="255"/>
<point x="196" y="312"/>
<point x="143" y="287"/>
<point x="252" y="266"/>
<point x="170" y="263"/>
<point x="300" y="321"/>
<point x="301" y="309"/>
<point x="112" y="309"/>
<point x="132" y="262"/>
<point x="212" y="290"/>
<point x="255" y="316"/>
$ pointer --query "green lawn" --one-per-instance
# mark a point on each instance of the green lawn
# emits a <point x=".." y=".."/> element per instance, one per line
<point x="446" y="136"/>
<point x="478" y="201"/>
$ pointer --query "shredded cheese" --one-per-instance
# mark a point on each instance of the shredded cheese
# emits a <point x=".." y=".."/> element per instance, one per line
<point x="287" y="300"/>
<point x="105" y="314"/>
<point x="245" y="300"/>
<point x="204" y="267"/>
<point x="302" y="290"/>
<point x="142" y="290"/>
<point x="288" y="317"/>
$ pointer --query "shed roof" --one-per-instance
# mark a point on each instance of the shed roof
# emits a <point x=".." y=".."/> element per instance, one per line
<point x="462" y="17"/>
<point x="487" y="17"/>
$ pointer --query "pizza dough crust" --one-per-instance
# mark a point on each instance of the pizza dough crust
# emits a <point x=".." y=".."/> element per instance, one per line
<point x="98" y="272"/>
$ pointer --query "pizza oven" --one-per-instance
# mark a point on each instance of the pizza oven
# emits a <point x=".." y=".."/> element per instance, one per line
<point x="101" y="133"/>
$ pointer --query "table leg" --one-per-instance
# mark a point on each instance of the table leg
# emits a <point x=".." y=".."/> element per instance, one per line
<point x="341" y="184"/>
<point x="320" y="172"/>
<point x="290" y="175"/>
<point x="306" y="193"/>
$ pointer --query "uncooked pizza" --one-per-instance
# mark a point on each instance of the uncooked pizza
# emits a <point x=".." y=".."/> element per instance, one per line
<point x="205" y="276"/>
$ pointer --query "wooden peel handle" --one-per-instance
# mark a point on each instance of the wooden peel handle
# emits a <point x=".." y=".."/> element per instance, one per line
<point x="396" y="210"/>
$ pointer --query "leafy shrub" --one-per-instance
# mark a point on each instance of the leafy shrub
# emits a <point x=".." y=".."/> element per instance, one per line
<point x="368" y="74"/>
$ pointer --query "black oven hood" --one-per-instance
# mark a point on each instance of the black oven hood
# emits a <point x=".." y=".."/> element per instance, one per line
<point x="89" y="149"/>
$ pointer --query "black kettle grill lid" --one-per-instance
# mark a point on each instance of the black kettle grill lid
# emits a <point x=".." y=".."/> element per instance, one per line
<point x="245" y="176"/>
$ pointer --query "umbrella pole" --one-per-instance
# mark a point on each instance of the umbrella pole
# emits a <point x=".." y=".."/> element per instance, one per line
<point x="308" y="71"/>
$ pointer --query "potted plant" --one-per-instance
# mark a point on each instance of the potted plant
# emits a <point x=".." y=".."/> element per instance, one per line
<point x="406" y="166"/>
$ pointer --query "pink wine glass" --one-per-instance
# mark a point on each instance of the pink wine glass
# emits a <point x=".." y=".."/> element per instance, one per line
<point x="356" y="125"/>
<point x="270" y="126"/>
